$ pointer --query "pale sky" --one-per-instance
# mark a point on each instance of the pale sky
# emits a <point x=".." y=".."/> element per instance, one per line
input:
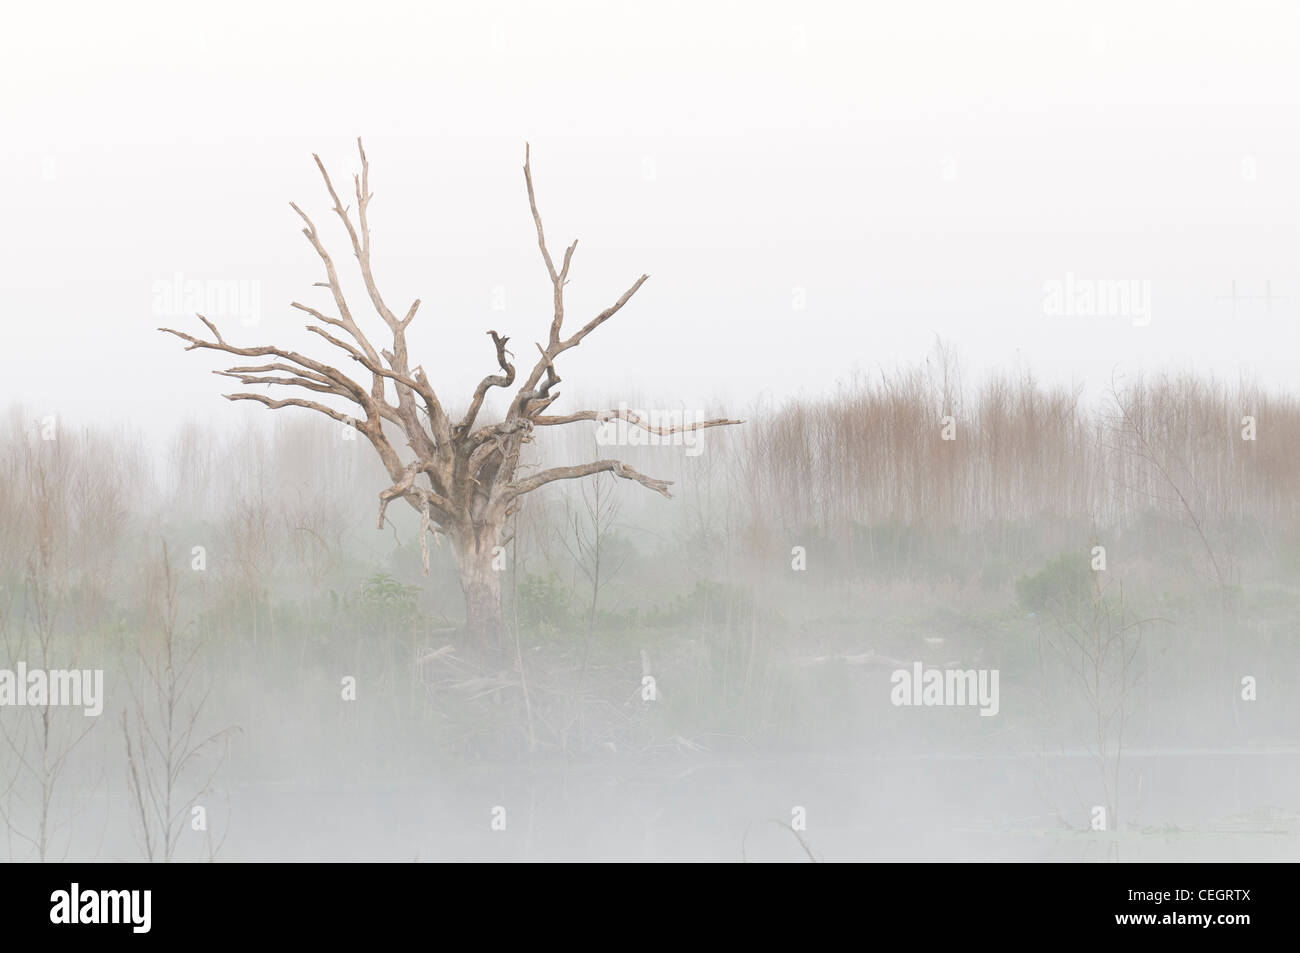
<point x="815" y="189"/>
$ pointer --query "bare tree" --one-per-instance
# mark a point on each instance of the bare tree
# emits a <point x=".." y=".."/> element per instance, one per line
<point x="1098" y="644"/>
<point x="168" y="766"/>
<point x="591" y="540"/>
<point x="462" y="479"/>
<point x="39" y="739"/>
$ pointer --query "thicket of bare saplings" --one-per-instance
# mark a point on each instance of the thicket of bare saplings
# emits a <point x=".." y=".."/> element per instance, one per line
<point x="804" y="555"/>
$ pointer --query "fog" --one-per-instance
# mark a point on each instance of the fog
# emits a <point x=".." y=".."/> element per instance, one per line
<point x="755" y="665"/>
<point x="993" y="558"/>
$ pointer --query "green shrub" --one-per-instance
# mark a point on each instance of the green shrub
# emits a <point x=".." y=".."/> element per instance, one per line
<point x="1065" y="583"/>
<point x="544" y="604"/>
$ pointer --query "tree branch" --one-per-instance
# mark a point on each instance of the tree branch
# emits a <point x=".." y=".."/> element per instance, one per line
<point x="530" y="392"/>
<point x="604" y="416"/>
<point x="617" y="467"/>
<point x="492" y="380"/>
<point x="557" y="347"/>
<point x="347" y="387"/>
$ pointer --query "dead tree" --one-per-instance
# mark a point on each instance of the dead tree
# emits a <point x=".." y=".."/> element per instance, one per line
<point x="460" y="474"/>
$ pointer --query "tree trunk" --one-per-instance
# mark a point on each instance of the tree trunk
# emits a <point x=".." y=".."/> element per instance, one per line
<point x="481" y="584"/>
